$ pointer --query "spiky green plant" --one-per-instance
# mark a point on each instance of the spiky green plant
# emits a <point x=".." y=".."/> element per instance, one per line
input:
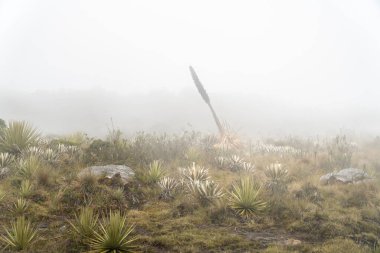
<point x="26" y="188"/>
<point x="50" y="155"/>
<point x="277" y="176"/>
<point x="168" y="186"/>
<point x="220" y="162"/>
<point x="195" y="173"/>
<point x="244" y="198"/>
<point x="155" y="172"/>
<point x="6" y="159"/>
<point x="20" y="236"/>
<point x="114" y="235"/>
<point x="73" y="150"/>
<point x="248" y="167"/>
<point x="206" y="192"/>
<point x="18" y="136"/>
<point x="85" y="222"/>
<point x="118" y="195"/>
<point x="28" y="166"/>
<point x="236" y="162"/>
<point x="33" y="151"/>
<point x="20" y="206"/>
<point x="276" y="171"/>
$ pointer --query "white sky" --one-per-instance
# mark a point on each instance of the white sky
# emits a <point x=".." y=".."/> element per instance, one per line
<point x="318" y="53"/>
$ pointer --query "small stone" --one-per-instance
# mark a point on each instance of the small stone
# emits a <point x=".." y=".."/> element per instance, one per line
<point x="63" y="228"/>
<point x="292" y="242"/>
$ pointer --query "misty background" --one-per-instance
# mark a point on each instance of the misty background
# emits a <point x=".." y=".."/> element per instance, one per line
<point x="270" y="67"/>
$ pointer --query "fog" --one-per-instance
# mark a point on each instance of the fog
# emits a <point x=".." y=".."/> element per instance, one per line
<point x="270" y="67"/>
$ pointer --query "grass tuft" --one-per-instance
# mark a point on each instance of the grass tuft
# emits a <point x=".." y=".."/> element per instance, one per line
<point x="20" y="236"/>
<point x="245" y="199"/>
<point x="114" y="235"/>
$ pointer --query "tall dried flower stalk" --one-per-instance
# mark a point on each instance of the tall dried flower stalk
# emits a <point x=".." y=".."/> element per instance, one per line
<point x="206" y="98"/>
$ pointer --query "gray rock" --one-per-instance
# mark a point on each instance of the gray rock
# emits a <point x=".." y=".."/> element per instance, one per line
<point x="63" y="228"/>
<point x="109" y="171"/>
<point x="325" y="179"/>
<point x="349" y="175"/>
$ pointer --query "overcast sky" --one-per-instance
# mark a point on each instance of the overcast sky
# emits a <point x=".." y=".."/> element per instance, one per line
<point x="284" y="64"/>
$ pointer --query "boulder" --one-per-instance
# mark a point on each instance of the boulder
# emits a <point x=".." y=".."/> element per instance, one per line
<point x="110" y="171"/>
<point x="345" y="176"/>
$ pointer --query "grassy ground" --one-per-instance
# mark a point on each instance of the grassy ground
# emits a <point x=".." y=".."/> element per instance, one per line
<point x="300" y="214"/>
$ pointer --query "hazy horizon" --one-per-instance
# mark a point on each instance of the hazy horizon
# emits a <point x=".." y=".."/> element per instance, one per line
<point x="271" y="68"/>
<point x="91" y="110"/>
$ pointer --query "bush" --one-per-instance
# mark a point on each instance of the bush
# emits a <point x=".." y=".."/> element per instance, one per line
<point x="113" y="150"/>
<point x="360" y="195"/>
<point x="340" y="152"/>
<point x="309" y="192"/>
<point x="118" y="195"/>
<point x="88" y="183"/>
<point x="44" y="176"/>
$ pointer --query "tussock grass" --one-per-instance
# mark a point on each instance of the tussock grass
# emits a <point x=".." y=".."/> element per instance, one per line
<point x="206" y="192"/>
<point x="114" y="235"/>
<point x="85" y="223"/>
<point x="26" y="188"/>
<point x="245" y="198"/>
<point x="155" y="172"/>
<point x="20" y="206"/>
<point x="20" y="236"/>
